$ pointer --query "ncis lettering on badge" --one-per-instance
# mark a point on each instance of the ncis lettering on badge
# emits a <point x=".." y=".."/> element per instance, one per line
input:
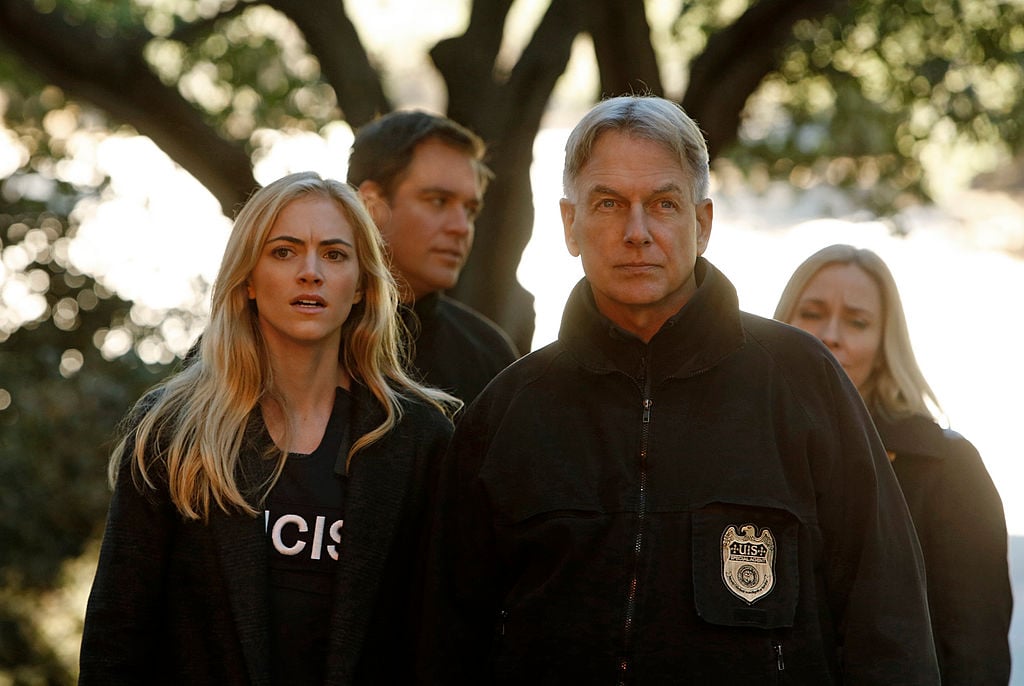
<point x="748" y="562"/>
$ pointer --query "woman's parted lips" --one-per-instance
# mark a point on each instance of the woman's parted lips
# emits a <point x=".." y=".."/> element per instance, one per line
<point x="308" y="300"/>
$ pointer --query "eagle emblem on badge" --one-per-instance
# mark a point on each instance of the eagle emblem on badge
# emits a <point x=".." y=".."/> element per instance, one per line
<point x="748" y="562"/>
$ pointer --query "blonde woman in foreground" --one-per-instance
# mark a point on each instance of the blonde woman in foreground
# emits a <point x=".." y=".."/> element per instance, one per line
<point x="848" y="298"/>
<point x="264" y="526"/>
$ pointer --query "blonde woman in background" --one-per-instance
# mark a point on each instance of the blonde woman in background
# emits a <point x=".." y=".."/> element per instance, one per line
<point x="847" y="298"/>
<point x="264" y="526"/>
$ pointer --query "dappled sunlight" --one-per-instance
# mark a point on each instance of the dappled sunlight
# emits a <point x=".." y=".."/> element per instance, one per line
<point x="157" y="237"/>
<point x="13" y="154"/>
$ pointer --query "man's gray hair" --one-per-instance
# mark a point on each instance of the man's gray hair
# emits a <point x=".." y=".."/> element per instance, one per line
<point x="645" y="116"/>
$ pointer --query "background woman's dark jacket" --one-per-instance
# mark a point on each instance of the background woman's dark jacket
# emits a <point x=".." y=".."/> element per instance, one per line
<point x="960" y="522"/>
<point x="183" y="602"/>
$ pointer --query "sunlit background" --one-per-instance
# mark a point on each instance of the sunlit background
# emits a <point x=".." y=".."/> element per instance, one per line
<point x="157" y="238"/>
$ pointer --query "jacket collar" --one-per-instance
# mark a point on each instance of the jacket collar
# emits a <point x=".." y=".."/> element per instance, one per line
<point x="911" y="435"/>
<point x="375" y="495"/>
<point x="422" y="312"/>
<point x="705" y="331"/>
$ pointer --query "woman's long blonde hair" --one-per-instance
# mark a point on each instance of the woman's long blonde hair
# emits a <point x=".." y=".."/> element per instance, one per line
<point x="195" y="422"/>
<point x="896" y="386"/>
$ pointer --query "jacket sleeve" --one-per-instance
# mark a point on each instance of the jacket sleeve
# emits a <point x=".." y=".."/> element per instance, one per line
<point x="122" y="624"/>
<point x="460" y="606"/>
<point x="874" y="570"/>
<point x="963" y="536"/>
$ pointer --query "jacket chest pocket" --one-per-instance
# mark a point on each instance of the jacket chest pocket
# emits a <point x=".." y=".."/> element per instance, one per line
<point x="745" y="565"/>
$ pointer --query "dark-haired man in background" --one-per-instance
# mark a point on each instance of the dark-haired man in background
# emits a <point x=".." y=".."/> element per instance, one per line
<point x="423" y="178"/>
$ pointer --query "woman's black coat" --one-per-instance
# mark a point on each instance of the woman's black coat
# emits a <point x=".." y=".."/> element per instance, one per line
<point x="187" y="602"/>
<point x="959" y="520"/>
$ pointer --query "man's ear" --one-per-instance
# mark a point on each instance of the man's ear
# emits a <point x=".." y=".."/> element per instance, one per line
<point x="376" y="203"/>
<point x="370" y="189"/>
<point x="568" y="210"/>
<point x="705" y="212"/>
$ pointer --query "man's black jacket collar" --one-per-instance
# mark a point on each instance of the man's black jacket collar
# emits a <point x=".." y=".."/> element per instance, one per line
<point x="706" y="330"/>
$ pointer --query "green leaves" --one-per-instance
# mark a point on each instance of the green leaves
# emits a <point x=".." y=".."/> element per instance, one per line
<point x="896" y="90"/>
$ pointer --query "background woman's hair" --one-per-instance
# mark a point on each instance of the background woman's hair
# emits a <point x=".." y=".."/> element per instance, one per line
<point x="896" y="386"/>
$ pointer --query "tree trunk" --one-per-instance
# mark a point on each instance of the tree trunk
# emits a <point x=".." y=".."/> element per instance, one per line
<point x="507" y="114"/>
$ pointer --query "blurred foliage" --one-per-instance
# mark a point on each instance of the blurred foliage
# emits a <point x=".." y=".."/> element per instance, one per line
<point x="60" y="401"/>
<point x="60" y="396"/>
<point x="248" y="69"/>
<point x="892" y="100"/>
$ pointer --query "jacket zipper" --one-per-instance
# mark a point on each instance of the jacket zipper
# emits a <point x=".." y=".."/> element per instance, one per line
<point x="780" y="663"/>
<point x="638" y="541"/>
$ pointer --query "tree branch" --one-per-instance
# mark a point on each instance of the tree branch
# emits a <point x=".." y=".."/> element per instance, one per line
<point x="510" y="120"/>
<point x="467" y="62"/>
<point x="542" y="63"/>
<point x="188" y="32"/>
<point x="738" y="58"/>
<point x="343" y="60"/>
<point x="117" y="80"/>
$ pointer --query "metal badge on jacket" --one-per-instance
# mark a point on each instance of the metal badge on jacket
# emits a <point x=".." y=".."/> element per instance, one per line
<point x="748" y="562"/>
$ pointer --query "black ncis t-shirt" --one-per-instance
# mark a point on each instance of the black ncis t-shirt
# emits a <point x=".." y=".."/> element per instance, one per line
<point x="304" y="517"/>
